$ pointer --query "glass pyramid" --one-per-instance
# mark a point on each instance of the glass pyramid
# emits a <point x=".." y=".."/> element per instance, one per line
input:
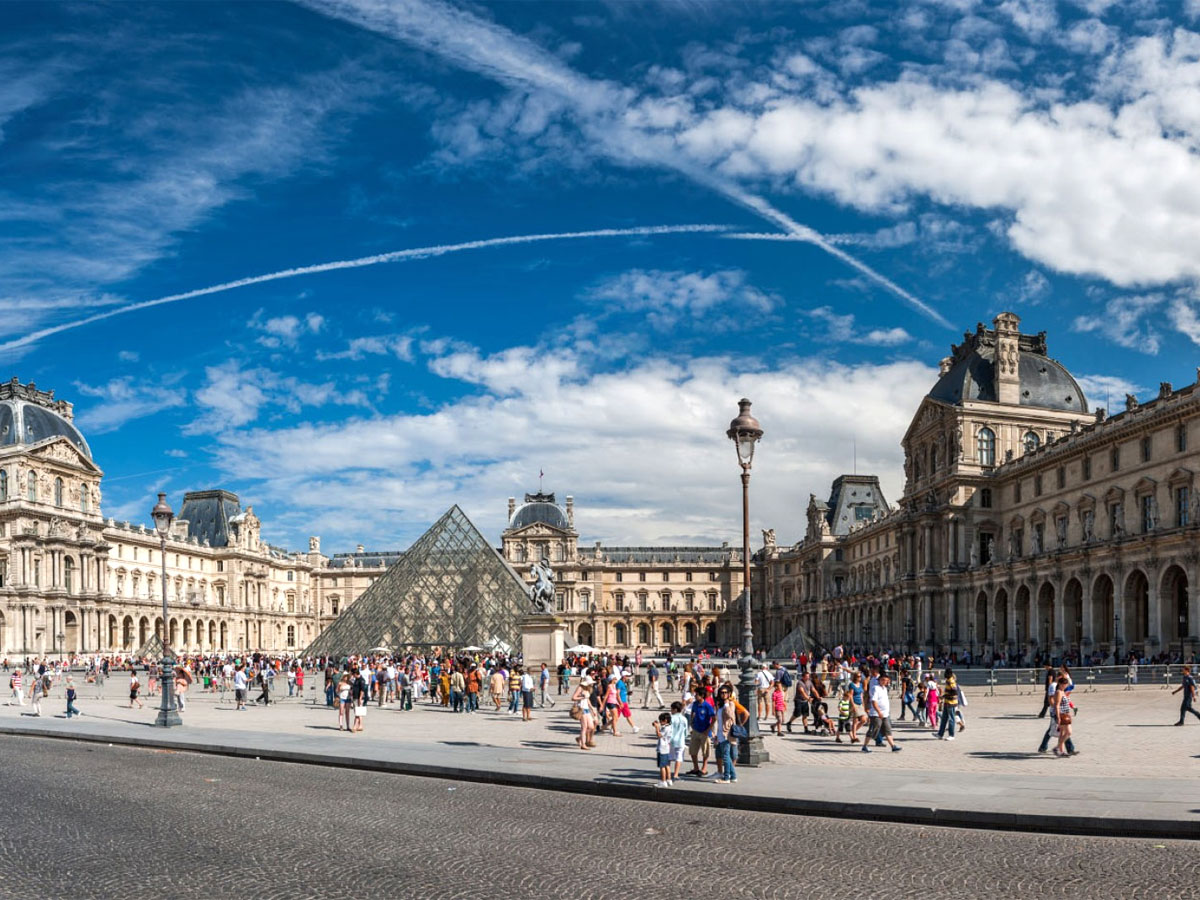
<point x="450" y="589"/>
<point x="153" y="648"/>
<point x="797" y="641"/>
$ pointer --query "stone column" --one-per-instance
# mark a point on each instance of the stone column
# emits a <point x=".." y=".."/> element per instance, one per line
<point x="1060" y="613"/>
<point x="1086" y="637"/>
<point x="1154" y="629"/>
<point x="1193" y="600"/>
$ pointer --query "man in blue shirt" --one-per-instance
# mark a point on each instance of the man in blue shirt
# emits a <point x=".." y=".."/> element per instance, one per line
<point x="703" y="717"/>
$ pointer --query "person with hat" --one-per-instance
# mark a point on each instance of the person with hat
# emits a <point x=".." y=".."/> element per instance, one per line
<point x="70" y="692"/>
<point x="587" y="717"/>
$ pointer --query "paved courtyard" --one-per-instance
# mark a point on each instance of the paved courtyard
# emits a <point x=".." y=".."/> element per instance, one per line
<point x="98" y="822"/>
<point x="1120" y="733"/>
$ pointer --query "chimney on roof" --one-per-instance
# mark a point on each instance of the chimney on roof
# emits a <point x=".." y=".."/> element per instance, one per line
<point x="512" y="507"/>
<point x="1008" y="358"/>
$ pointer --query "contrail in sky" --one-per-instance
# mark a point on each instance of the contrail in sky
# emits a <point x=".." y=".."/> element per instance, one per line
<point x="360" y="262"/>
<point x="475" y="44"/>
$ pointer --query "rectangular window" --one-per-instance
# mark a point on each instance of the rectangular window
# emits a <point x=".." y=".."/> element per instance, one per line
<point x="1018" y="541"/>
<point x="1087" y="468"/>
<point x="1037" y="485"/>
<point x="1148" y="522"/>
<point x="642" y="602"/>
<point x="620" y="576"/>
<point x="838" y="555"/>
<point x="714" y="576"/>
<point x="1115" y="458"/>
<point x="687" y="576"/>
<point x="1146" y="446"/>
<point x="1181" y="438"/>
<point x="1062" y="477"/>
<point x="1182" y="499"/>
<point x="712" y="602"/>
<point x="666" y="576"/>
<point x="619" y="602"/>
<point x="221" y="568"/>
<point x="641" y="576"/>
<point x="1017" y="492"/>
<point x="1039" y="537"/>
<point x="985" y="547"/>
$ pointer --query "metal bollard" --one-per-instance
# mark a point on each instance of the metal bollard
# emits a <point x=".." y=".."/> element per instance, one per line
<point x="1166" y="678"/>
<point x="1091" y="680"/>
<point x="991" y="683"/>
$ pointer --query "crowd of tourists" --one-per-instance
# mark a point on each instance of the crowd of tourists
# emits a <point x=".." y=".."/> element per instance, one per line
<point x="839" y="696"/>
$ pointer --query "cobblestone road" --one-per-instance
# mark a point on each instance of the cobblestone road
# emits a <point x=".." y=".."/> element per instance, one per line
<point x="88" y="821"/>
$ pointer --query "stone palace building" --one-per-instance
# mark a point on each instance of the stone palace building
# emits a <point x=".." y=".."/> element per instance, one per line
<point x="74" y="581"/>
<point x="1027" y="521"/>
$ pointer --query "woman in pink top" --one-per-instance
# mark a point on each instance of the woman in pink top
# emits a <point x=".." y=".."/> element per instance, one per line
<point x="931" y="704"/>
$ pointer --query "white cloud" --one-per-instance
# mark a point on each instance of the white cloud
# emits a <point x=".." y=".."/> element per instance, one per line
<point x="121" y="400"/>
<point x="1122" y="322"/>
<point x="398" y="345"/>
<point x="1107" y="390"/>
<point x="666" y="298"/>
<point x="285" y="331"/>
<point x="1034" y="288"/>
<point x="643" y="449"/>
<point x="841" y="329"/>
<point x="1184" y="317"/>
<point x="130" y="356"/>
<point x="197" y="160"/>
<point x="233" y="396"/>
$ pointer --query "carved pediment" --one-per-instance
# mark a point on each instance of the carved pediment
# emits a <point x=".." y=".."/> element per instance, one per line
<point x="538" y="529"/>
<point x="1181" y="476"/>
<point x="61" y="450"/>
<point x="1114" y="494"/>
<point x="1145" y="485"/>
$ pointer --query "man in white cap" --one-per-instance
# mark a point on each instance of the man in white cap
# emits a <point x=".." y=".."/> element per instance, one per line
<point x="763" y="682"/>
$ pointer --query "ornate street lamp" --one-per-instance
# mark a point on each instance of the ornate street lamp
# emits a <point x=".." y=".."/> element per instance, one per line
<point x="1116" y="639"/>
<point x="745" y="432"/>
<point x="168" y="715"/>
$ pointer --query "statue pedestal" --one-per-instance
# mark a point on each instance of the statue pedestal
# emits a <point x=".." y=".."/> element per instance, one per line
<point x="543" y="640"/>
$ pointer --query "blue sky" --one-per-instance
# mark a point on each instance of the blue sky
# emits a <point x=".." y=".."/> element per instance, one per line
<point x="803" y="203"/>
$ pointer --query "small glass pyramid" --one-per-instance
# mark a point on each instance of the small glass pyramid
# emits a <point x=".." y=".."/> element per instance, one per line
<point x="797" y="641"/>
<point x="450" y="589"/>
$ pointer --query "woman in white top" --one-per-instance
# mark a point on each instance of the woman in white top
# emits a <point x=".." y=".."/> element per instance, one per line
<point x="587" y="719"/>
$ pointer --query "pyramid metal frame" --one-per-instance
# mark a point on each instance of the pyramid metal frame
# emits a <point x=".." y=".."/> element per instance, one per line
<point x="796" y="641"/>
<point x="450" y="589"/>
<point x="152" y="648"/>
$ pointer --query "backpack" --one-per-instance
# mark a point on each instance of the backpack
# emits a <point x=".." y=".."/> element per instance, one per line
<point x="785" y="678"/>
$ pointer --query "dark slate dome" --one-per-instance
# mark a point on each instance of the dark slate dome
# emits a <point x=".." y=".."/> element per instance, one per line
<point x="22" y="422"/>
<point x="1045" y="382"/>
<point x="540" y="508"/>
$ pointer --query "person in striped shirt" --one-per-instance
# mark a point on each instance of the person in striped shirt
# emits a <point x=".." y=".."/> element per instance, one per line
<point x="16" y="683"/>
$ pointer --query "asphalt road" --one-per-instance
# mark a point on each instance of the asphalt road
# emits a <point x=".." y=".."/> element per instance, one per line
<point x="92" y="821"/>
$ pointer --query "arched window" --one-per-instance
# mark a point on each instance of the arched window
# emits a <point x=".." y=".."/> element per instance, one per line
<point x="1032" y="441"/>
<point x="620" y="631"/>
<point x="643" y="633"/>
<point x="986" y="442"/>
<point x="83" y="499"/>
<point x="3" y="484"/>
<point x="31" y="489"/>
<point x="58" y="492"/>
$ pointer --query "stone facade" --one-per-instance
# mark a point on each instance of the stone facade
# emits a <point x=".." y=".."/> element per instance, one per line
<point x="1028" y="524"/>
<point x="620" y="598"/>
<point x="74" y="581"/>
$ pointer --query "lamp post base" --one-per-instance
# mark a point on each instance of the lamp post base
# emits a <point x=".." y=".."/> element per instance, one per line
<point x="168" y="715"/>
<point x="751" y="751"/>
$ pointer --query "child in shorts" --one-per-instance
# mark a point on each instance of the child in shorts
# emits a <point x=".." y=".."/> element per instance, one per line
<point x="679" y="738"/>
<point x="662" y="731"/>
<point x="845" y="704"/>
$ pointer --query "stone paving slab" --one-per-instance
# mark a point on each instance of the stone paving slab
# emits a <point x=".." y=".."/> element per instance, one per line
<point x="1056" y="796"/>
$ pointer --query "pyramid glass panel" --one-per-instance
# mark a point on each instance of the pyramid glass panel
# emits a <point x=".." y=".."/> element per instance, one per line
<point x="450" y="589"/>
<point x="797" y="641"/>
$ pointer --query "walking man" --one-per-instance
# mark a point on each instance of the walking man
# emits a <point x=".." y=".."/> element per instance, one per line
<point x="652" y="686"/>
<point x="1188" y="687"/>
<point x="879" y="709"/>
